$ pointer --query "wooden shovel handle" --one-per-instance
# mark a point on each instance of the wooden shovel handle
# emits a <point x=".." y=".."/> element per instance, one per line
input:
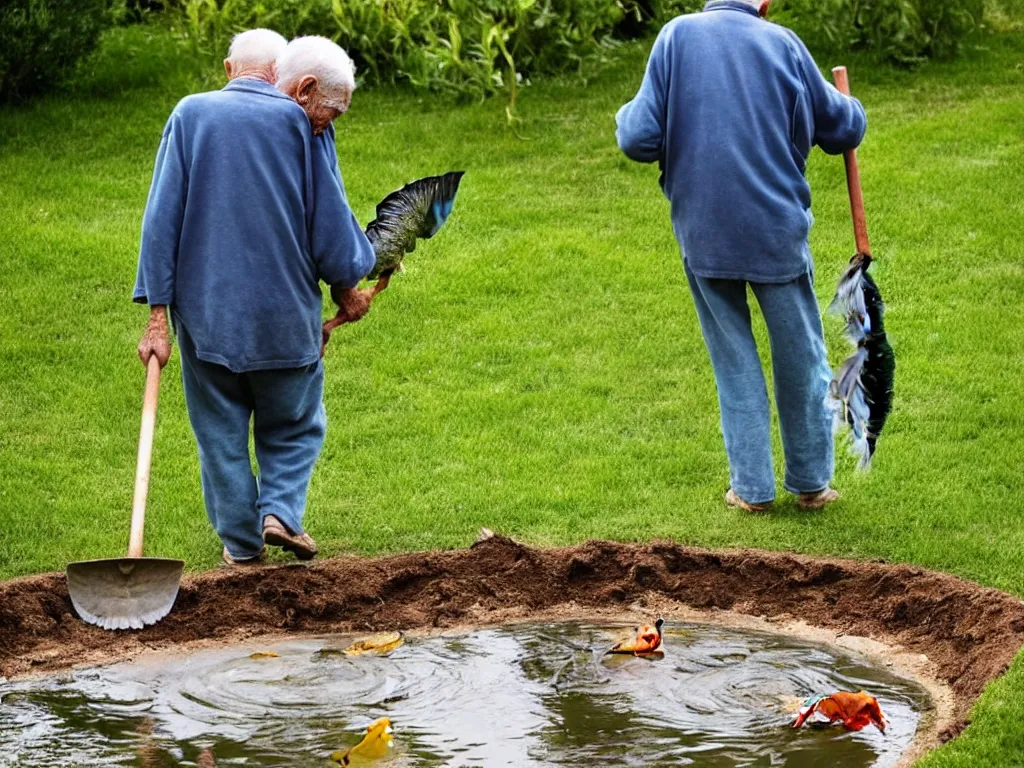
<point x="860" y="224"/>
<point x="145" y="456"/>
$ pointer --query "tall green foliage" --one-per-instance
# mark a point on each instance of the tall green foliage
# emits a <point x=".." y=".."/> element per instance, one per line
<point x="474" y="48"/>
<point x="901" y="31"/>
<point x="464" y="47"/>
<point x="41" y="41"/>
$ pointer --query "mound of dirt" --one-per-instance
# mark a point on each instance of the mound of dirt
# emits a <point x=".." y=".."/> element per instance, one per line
<point x="969" y="633"/>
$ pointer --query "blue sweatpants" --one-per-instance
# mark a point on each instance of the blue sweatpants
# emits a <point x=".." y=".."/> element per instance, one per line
<point x="288" y="424"/>
<point x="801" y="373"/>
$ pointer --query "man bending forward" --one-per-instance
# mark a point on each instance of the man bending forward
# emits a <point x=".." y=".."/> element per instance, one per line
<point x="245" y="216"/>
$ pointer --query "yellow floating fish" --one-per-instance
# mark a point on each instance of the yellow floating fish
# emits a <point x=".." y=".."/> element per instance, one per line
<point x="263" y="655"/>
<point x="380" y="644"/>
<point x="376" y="743"/>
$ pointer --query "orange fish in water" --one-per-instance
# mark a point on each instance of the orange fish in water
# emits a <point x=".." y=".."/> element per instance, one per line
<point x="854" y="710"/>
<point x="647" y="641"/>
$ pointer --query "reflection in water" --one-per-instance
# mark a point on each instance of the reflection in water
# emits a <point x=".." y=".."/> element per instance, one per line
<point x="539" y="695"/>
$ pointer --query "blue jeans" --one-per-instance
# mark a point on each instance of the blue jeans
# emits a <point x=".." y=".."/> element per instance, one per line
<point x="801" y="373"/>
<point x="289" y="423"/>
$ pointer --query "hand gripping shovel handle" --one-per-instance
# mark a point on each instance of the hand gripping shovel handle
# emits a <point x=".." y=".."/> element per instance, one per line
<point x="145" y="457"/>
<point x="860" y="224"/>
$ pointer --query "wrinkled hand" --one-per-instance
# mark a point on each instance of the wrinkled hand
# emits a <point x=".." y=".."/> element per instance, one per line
<point x="156" y="340"/>
<point x="353" y="304"/>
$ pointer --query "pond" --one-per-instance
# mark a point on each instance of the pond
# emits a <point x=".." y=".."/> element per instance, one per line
<point x="521" y="695"/>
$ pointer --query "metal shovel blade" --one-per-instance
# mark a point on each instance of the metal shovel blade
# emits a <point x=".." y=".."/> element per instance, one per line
<point x="124" y="592"/>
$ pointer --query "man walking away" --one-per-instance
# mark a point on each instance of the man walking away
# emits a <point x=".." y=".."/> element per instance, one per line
<point x="729" y="107"/>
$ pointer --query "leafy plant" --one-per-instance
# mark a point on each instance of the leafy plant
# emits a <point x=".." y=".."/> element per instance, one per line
<point x="900" y="31"/>
<point x="41" y="41"/>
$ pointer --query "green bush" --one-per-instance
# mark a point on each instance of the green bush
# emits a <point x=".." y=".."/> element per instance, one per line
<point x="901" y="31"/>
<point x="474" y="48"/>
<point x="465" y="47"/>
<point x="41" y="41"/>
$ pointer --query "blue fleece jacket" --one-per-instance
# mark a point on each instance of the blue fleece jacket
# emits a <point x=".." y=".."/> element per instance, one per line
<point x="246" y="214"/>
<point x="730" y="106"/>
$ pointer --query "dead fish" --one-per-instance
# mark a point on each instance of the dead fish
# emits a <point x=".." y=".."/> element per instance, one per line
<point x="263" y="655"/>
<point x="646" y="643"/>
<point x="381" y="644"/>
<point x="854" y="710"/>
<point x="417" y="210"/>
<point x="377" y="742"/>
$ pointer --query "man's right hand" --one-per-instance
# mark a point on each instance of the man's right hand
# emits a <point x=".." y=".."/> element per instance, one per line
<point x="156" y="340"/>
<point x="353" y="303"/>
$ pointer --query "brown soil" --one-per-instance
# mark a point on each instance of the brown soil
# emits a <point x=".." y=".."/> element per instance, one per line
<point x="968" y="633"/>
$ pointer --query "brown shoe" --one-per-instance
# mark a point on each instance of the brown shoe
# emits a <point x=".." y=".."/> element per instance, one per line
<point x="817" y="499"/>
<point x="257" y="560"/>
<point x="276" y="535"/>
<point x="734" y="500"/>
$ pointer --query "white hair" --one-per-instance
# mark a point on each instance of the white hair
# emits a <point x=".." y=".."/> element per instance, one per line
<point x="255" y="48"/>
<point x="320" y="57"/>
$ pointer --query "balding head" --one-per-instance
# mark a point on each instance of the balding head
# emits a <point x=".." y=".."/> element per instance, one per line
<point x="320" y="76"/>
<point x="254" y="53"/>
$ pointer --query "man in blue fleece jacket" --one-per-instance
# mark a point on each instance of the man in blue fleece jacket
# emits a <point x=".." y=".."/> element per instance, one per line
<point x="246" y="215"/>
<point x="729" y="107"/>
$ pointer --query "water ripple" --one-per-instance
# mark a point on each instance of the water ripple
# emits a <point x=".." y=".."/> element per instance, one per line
<point x="540" y="695"/>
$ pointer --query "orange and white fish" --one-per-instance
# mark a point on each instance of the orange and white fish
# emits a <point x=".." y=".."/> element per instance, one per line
<point x="377" y="742"/>
<point x="854" y="710"/>
<point x="646" y="643"/>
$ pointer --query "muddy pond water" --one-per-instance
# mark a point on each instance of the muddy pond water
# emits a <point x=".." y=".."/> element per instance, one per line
<point x="522" y="695"/>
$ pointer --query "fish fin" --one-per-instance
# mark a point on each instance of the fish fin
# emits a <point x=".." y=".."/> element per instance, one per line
<point x="854" y="408"/>
<point x="849" y="296"/>
<point x="417" y="210"/>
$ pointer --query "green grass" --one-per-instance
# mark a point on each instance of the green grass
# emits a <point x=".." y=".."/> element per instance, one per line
<point x="539" y="368"/>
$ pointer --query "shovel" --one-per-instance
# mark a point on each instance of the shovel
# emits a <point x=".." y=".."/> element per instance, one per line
<point x="130" y="592"/>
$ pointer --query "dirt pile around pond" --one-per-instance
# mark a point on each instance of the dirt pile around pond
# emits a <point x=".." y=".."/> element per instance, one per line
<point x="969" y="633"/>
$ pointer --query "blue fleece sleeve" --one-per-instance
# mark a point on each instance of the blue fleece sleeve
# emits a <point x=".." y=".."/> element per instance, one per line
<point x="342" y="254"/>
<point x="162" y="220"/>
<point x="640" y="124"/>
<point x="839" y="120"/>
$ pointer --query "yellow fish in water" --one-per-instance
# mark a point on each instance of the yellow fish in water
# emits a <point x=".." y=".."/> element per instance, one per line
<point x="263" y="655"/>
<point x="381" y="643"/>
<point x="376" y="743"/>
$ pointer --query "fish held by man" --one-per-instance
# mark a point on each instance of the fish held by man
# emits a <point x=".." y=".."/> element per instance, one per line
<point x="417" y="210"/>
<point x="862" y="387"/>
<point x="378" y="742"/>
<point x="855" y="711"/>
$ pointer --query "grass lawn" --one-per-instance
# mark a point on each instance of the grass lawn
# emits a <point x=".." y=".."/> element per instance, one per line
<point x="539" y="368"/>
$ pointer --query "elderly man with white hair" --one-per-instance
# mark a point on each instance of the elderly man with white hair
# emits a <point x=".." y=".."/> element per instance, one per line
<point x="246" y="216"/>
<point x="254" y="54"/>
<point x="320" y="77"/>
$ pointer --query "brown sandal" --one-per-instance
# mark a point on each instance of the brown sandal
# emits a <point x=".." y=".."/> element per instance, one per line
<point x="276" y="535"/>
<point x="733" y="500"/>
<point x="256" y="560"/>
<point x="817" y="499"/>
